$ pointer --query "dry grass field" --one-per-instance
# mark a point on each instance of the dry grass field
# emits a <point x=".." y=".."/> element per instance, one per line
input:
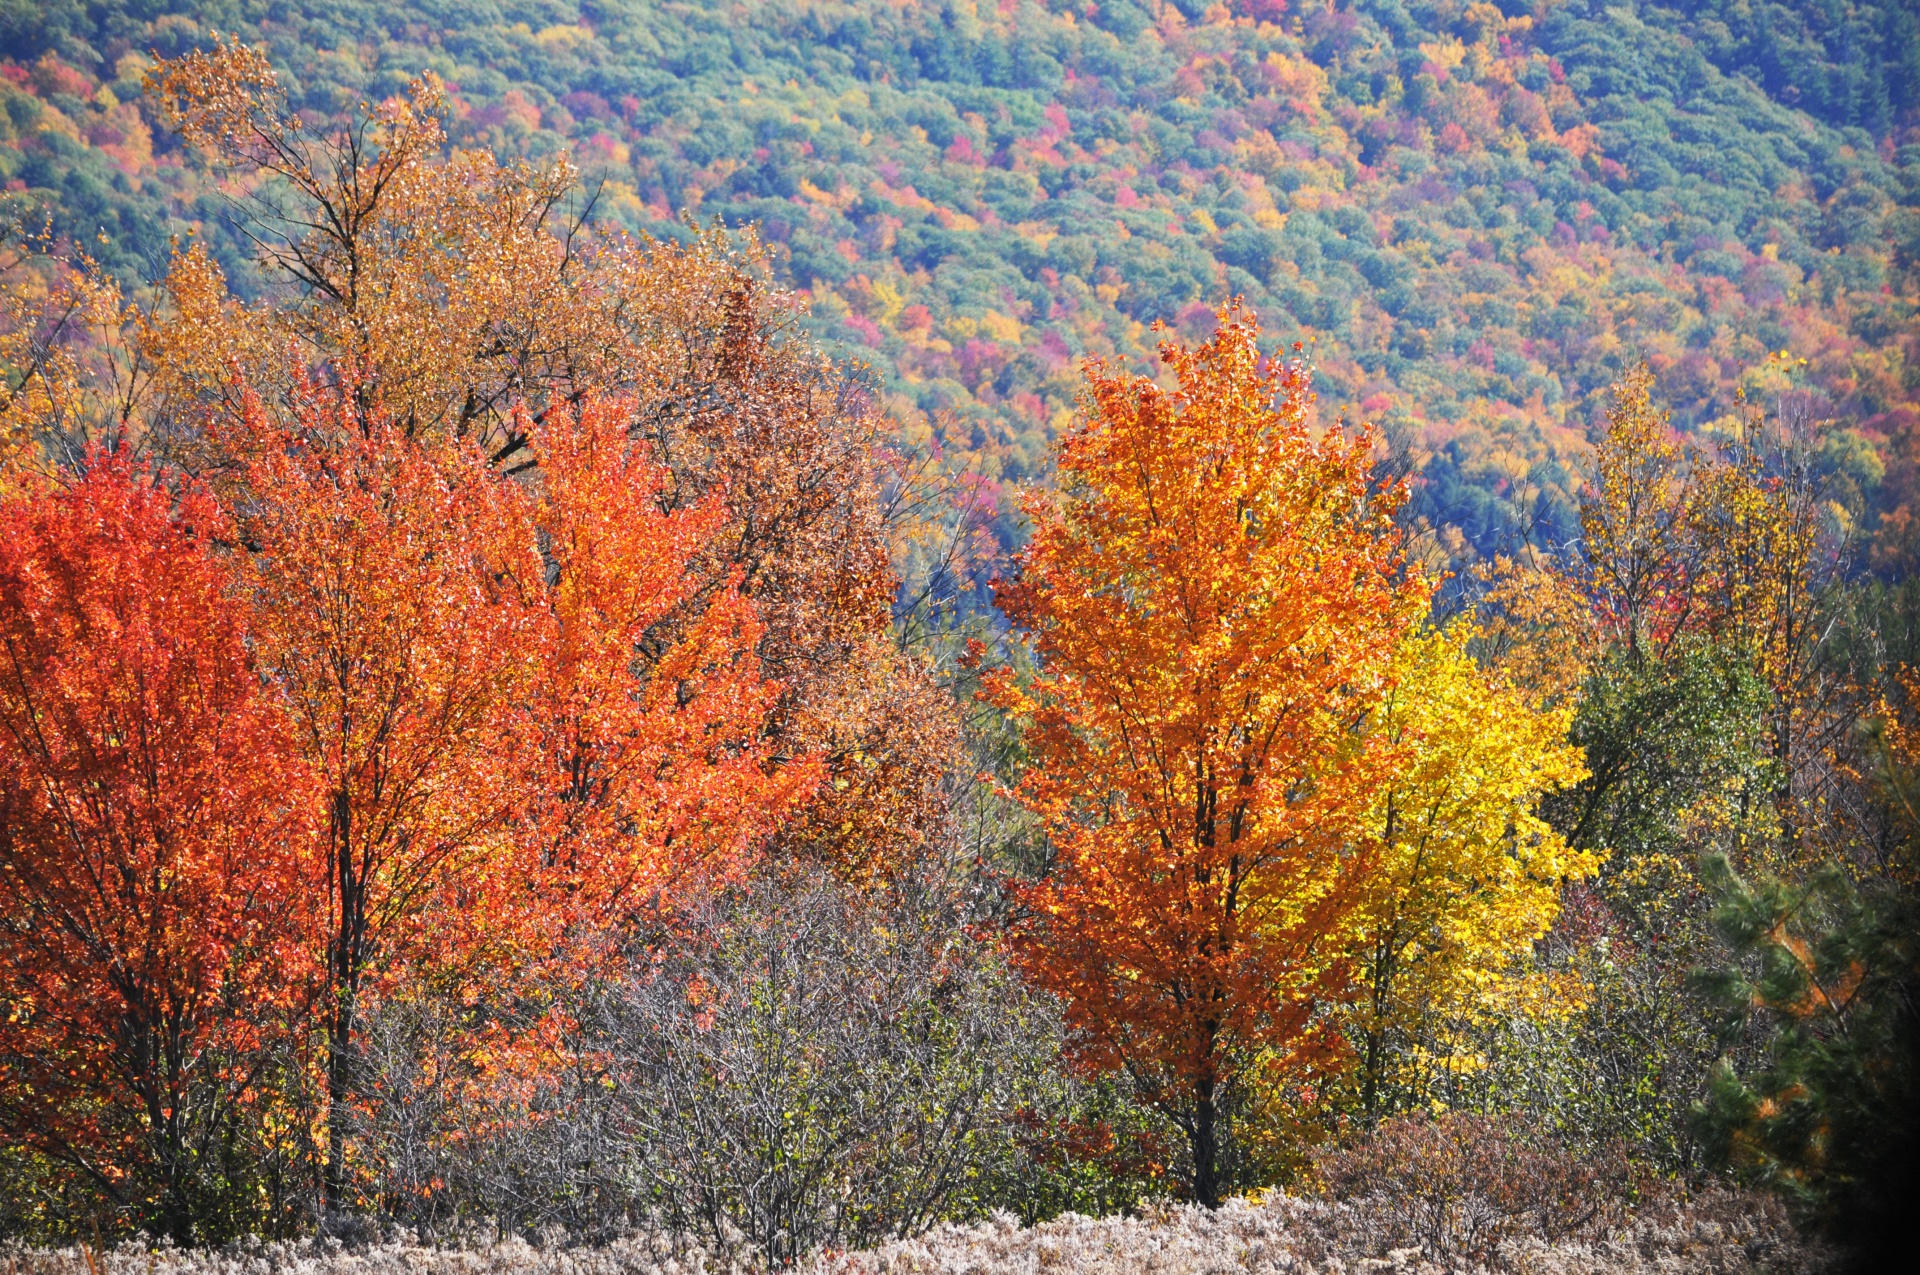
<point x="1716" y="1233"/>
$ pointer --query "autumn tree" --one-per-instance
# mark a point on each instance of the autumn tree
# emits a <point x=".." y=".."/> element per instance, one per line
<point x="1466" y="874"/>
<point x="515" y="300"/>
<point x="1641" y="561"/>
<point x="389" y="619"/>
<point x="460" y="653"/>
<point x="72" y="373"/>
<point x="1535" y="626"/>
<point x="648" y="791"/>
<point x="562" y="552"/>
<point x="1773" y="558"/>
<point x="154" y="850"/>
<point x="1214" y="596"/>
<point x="1721" y="553"/>
<point x="1695" y="631"/>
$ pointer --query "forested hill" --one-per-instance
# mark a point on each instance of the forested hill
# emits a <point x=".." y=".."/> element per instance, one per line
<point x="1477" y="215"/>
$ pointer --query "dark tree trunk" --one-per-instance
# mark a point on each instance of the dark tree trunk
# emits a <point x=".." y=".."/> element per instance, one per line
<point x="348" y="957"/>
<point x="339" y="1082"/>
<point x="1206" y="1144"/>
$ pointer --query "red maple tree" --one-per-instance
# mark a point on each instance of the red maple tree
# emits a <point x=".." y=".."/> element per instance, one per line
<point x="152" y="844"/>
<point x="653" y="781"/>
<point x="389" y="577"/>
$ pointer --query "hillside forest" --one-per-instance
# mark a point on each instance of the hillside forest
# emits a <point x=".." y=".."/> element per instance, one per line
<point x="781" y="624"/>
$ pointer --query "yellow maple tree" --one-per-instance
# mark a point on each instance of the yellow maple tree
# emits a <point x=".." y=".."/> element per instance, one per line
<point x="1466" y="874"/>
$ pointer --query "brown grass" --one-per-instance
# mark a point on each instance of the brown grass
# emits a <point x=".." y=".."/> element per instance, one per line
<point x="1713" y="1233"/>
<point x="1716" y="1234"/>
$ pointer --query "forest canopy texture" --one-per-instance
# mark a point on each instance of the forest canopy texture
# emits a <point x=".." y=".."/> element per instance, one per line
<point x="771" y="626"/>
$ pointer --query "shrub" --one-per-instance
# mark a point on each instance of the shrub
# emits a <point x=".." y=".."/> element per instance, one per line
<point x="820" y="1065"/>
<point x="800" y="1063"/>
<point x="1457" y="1186"/>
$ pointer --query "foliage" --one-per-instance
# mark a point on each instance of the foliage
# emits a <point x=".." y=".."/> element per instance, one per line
<point x="154" y="854"/>
<point x="1823" y="970"/>
<point x="1481" y="217"/>
<point x="1466" y="876"/>
<point x="797" y="1063"/>
<point x="1855" y="66"/>
<point x="1634" y="526"/>
<point x="1717" y="705"/>
<point x="576" y="638"/>
<point x="64" y="345"/>
<point x="400" y="663"/>
<point x="1732" y="555"/>
<point x="477" y="332"/>
<point x="519" y="632"/>
<point x="1670" y="706"/>
<point x="1535" y="627"/>
<point x="1617" y="1050"/>
<point x="424" y="619"/>
<point x="1214" y="597"/>
<point x="1828" y="1117"/>
<point x="1661" y="738"/>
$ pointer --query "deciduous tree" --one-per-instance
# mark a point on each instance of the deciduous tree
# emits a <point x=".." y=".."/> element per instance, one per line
<point x="154" y="850"/>
<point x="536" y="729"/>
<point x="1641" y="561"/>
<point x="1466" y="875"/>
<point x="651" y="781"/>
<point x="1215" y="596"/>
<point x="389" y="580"/>
<point x="510" y="301"/>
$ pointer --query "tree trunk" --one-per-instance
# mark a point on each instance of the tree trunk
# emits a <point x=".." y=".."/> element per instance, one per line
<point x="349" y="942"/>
<point x="1206" y="1145"/>
<point x="339" y="1080"/>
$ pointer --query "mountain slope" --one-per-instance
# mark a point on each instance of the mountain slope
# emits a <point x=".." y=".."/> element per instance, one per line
<point x="1476" y="216"/>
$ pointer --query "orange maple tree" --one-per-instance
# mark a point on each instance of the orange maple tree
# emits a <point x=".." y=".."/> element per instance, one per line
<point x="652" y="782"/>
<point x="1214" y="596"/>
<point x="536" y="731"/>
<point x="153" y="844"/>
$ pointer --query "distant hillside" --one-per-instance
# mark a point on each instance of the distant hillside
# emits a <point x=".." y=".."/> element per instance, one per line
<point x="1477" y="215"/>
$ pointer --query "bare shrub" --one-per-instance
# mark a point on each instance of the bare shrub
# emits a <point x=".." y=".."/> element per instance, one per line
<point x="820" y="1066"/>
<point x="801" y="1063"/>
<point x="1458" y="1185"/>
<point x="447" y="1151"/>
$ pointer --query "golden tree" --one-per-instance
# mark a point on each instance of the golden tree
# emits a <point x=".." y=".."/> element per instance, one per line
<point x="1770" y="559"/>
<point x="1215" y="596"/>
<point x="1467" y="875"/>
<point x="1640" y="556"/>
<point x="72" y="372"/>
<point x="1536" y="626"/>
<point x="1735" y="545"/>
